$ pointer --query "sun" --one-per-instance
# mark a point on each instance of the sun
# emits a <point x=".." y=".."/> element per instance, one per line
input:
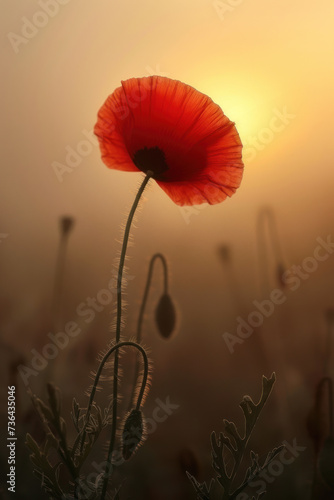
<point x="245" y="111"/>
<point x="244" y="104"/>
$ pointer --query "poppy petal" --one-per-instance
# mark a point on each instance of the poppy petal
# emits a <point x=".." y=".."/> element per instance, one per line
<point x="200" y="149"/>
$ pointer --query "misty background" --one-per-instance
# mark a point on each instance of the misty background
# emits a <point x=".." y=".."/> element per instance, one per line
<point x="268" y="65"/>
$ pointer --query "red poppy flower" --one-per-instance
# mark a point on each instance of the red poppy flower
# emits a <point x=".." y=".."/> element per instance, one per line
<point x="163" y="125"/>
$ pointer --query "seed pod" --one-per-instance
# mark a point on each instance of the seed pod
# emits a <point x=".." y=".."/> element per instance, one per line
<point x="165" y="316"/>
<point x="132" y="433"/>
<point x="280" y="270"/>
<point x="224" y="252"/>
<point x="326" y="462"/>
<point x="66" y="224"/>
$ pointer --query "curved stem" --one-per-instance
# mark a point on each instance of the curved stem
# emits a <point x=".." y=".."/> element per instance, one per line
<point x="143" y="306"/>
<point x="98" y="374"/>
<point x="147" y="288"/>
<point x="149" y="174"/>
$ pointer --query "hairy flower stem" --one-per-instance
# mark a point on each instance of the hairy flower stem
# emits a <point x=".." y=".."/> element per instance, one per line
<point x="147" y="288"/>
<point x="143" y="306"/>
<point x="149" y="174"/>
<point x="98" y="374"/>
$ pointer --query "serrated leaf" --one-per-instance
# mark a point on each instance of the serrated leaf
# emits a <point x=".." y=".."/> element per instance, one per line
<point x="218" y="461"/>
<point x="32" y="444"/>
<point x="236" y="444"/>
<point x="47" y="473"/>
<point x="203" y="492"/>
<point x="54" y="396"/>
<point x="50" y="442"/>
<point x="63" y="428"/>
<point x="231" y="429"/>
<point x="44" y="410"/>
<point x="75" y="413"/>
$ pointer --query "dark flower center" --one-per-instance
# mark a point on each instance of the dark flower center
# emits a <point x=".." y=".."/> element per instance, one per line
<point x="151" y="159"/>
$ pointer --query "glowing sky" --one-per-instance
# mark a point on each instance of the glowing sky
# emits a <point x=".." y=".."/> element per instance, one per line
<point x="268" y="64"/>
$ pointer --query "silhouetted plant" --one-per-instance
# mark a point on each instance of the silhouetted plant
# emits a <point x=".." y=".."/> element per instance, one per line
<point x="187" y="185"/>
<point x="321" y="429"/>
<point x="66" y="224"/>
<point x="165" y="314"/>
<point x="267" y="214"/>
<point x="234" y="444"/>
<point x="88" y="423"/>
<point x="226" y="257"/>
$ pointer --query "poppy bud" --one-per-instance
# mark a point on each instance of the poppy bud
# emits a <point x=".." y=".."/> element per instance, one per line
<point x="224" y="252"/>
<point x="132" y="433"/>
<point x="280" y="270"/>
<point x="165" y="316"/>
<point x="66" y="224"/>
<point x="326" y="462"/>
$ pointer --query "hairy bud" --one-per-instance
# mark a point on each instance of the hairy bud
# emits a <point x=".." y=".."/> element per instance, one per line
<point x="132" y="433"/>
<point x="165" y="316"/>
<point x="66" y="224"/>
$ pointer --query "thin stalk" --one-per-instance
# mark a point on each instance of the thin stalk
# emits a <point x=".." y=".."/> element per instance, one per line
<point x="58" y="284"/>
<point x="263" y="249"/>
<point x="329" y="382"/>
<point x="149" y="174"/>
<point x="329" y="342"/>
<point x="262" y="252"/>
<point x="98" y="374"/>
<point x="66" y="224"/>
<point x="147" y="288"/>
<point x="143" y="306"/>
